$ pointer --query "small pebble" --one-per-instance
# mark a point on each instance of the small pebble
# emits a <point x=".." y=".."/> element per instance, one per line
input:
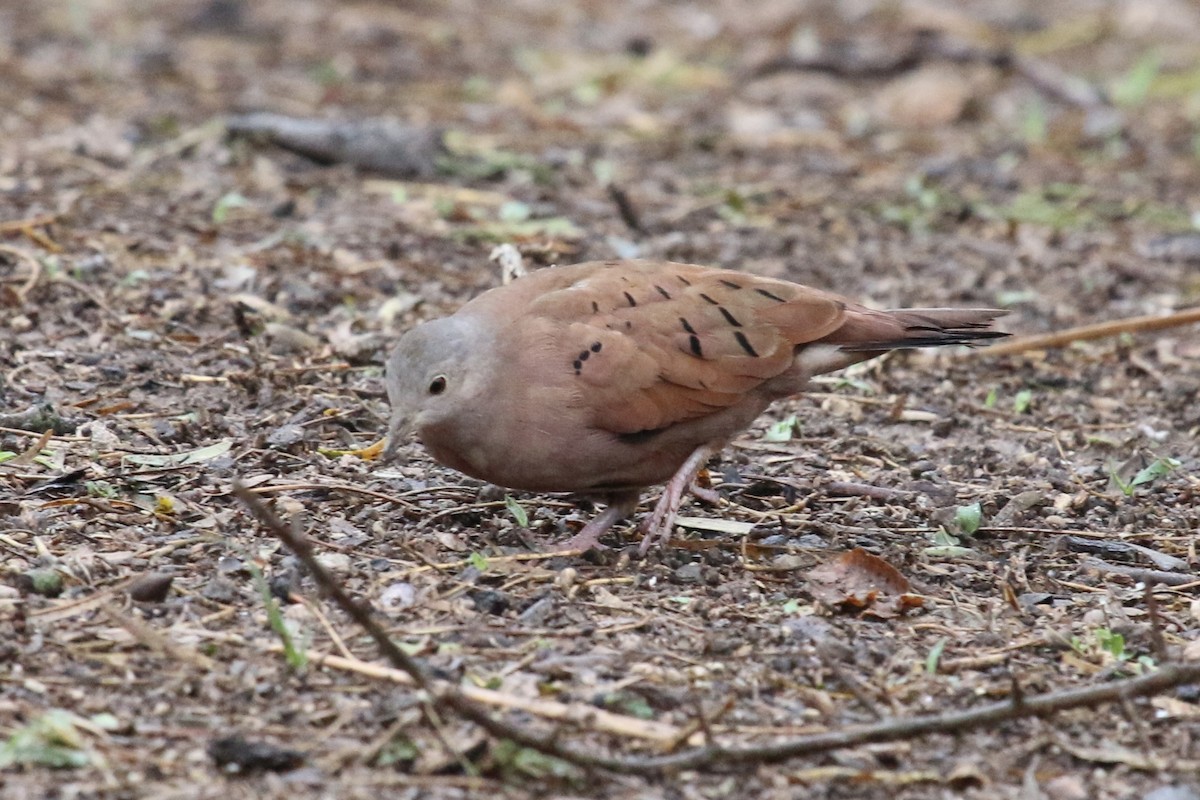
<point x="152" y="587"/>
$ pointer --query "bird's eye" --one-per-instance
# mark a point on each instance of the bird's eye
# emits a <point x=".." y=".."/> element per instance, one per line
<point x="437" y="385"/>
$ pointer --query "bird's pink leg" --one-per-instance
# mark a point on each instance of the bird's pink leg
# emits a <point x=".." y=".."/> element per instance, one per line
<point x="658" y="526"/>
<point x="620" y="506"/>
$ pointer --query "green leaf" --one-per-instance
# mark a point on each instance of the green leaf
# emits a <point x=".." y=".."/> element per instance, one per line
<point x="44" y="581"/>
<point x="515" y="211"/>
<point x="990" y="400"/>
<point x="7" y="455"/>
<point x="791" y="606"/>
<point x="968" y="518"/>
<point x="102" y="489"/>
<point x="1155" y="471"/>
<point x="935" y="656"/>
<point x="530" y="763"/>
<point x="944" y="537"/>
<point x="1125" y="487"/>
<point x="478" y="561"/>
<point x="206" y="453"/>
<point x="1034" y="125"/>
<point x="228" y="202"/>
<point x="1022" y="401"/>
<point x="629" y="703"/>
<point x="51" y="740"/>
<point x="783" y="430"/>
<point x="295" y="656"/>
<point x="1112" y="643"/>
<point x="516" y="510"/>
<point x="400" y="750"/>
<point x="1133" y="87"/>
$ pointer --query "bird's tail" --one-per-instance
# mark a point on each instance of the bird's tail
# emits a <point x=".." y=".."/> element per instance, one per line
<point x="868" y="331"/>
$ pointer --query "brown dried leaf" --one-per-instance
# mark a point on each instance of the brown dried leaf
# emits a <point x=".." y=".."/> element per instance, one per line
<point x="859" y="580"/>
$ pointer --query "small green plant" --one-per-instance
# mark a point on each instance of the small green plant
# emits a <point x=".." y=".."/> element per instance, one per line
<point x="935" y="656"/>
<point x="1110" y="646"/>
<point x="397" y="752"/>
<point x="525" y="762"/>
<point x="782" y="431"/>
<point x="631" y="703"/>
<point x="1023" y="401"/>
<point x="227" y="203"/>
<point x="295" y="656"/>
<point x="101" y="489"/>
<point x="55" y="740"/>
<point x="518" y="513"/>
<point x="925" y="204"/>
<point x="1146" y="476"/>
<point x="478" y="561"/>
<point x="1034" y="125"/>
<point x="1134" y="86"/>
<point x="968" y="518"/>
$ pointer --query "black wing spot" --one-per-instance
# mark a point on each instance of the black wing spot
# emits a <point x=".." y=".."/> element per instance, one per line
<point x="628" y="325"/>
<point x="745" y="343"/>
<point x="595" y="307"/>
<point x="686" y="326"/>
<point x="583" y="355"/>
<point x="578" y="365"/>
<point x="684" y="280"/>
<point x="596" y="347"/>
<point x="637" y="437"/>
<point x="730" y="284"/>
<point x="663" y="291"/>
<point x="774" y="297"/>
<point x="630" y="299"/>
<point x="730" y="318"/>
<point x="694" y="341"/>
<point x="708" y="299"/>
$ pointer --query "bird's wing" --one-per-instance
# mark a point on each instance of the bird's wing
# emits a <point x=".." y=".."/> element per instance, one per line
<point x="653" y="344"/>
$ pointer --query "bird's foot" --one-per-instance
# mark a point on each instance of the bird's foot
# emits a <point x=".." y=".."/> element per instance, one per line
<point x="581" y="542"/>
<point x="658" y="526"/>
<point x="620" y="505"/>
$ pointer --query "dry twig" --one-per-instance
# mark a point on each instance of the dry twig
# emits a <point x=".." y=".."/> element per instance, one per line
<point x="446" y="696"/>
<point x="1086" y="333"/>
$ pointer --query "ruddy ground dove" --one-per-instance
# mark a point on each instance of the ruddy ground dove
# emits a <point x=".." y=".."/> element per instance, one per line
<point x="607" y="377"/>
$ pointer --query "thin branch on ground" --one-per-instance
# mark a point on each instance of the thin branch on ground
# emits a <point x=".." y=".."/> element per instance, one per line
<point x="1086" y="333"/>
<point x="446" y="696"/>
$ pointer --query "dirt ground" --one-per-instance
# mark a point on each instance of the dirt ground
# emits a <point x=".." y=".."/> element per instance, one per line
<point x="181" y="308"/>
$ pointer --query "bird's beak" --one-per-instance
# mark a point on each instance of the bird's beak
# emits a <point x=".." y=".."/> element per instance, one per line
<point x="398" y="430"/>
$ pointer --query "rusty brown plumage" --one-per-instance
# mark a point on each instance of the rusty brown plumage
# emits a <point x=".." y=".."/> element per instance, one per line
<point x="608" y="377"/>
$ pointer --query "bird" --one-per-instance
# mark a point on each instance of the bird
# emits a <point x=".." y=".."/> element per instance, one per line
<point x="607" y="377"/>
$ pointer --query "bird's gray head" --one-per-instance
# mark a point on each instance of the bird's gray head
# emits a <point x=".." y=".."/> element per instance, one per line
<point x="428" y="373"/>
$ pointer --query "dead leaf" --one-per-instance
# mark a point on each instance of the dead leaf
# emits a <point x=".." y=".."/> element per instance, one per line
<point x="860" y="580"/>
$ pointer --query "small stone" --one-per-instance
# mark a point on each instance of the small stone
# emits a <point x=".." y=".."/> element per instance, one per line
<point x="1066" y="787"/>
<point x="152" y="587"/>
<point x="489" y="601"/>
<point x="1172" y="793"/>
<point x="930" y="97"/>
